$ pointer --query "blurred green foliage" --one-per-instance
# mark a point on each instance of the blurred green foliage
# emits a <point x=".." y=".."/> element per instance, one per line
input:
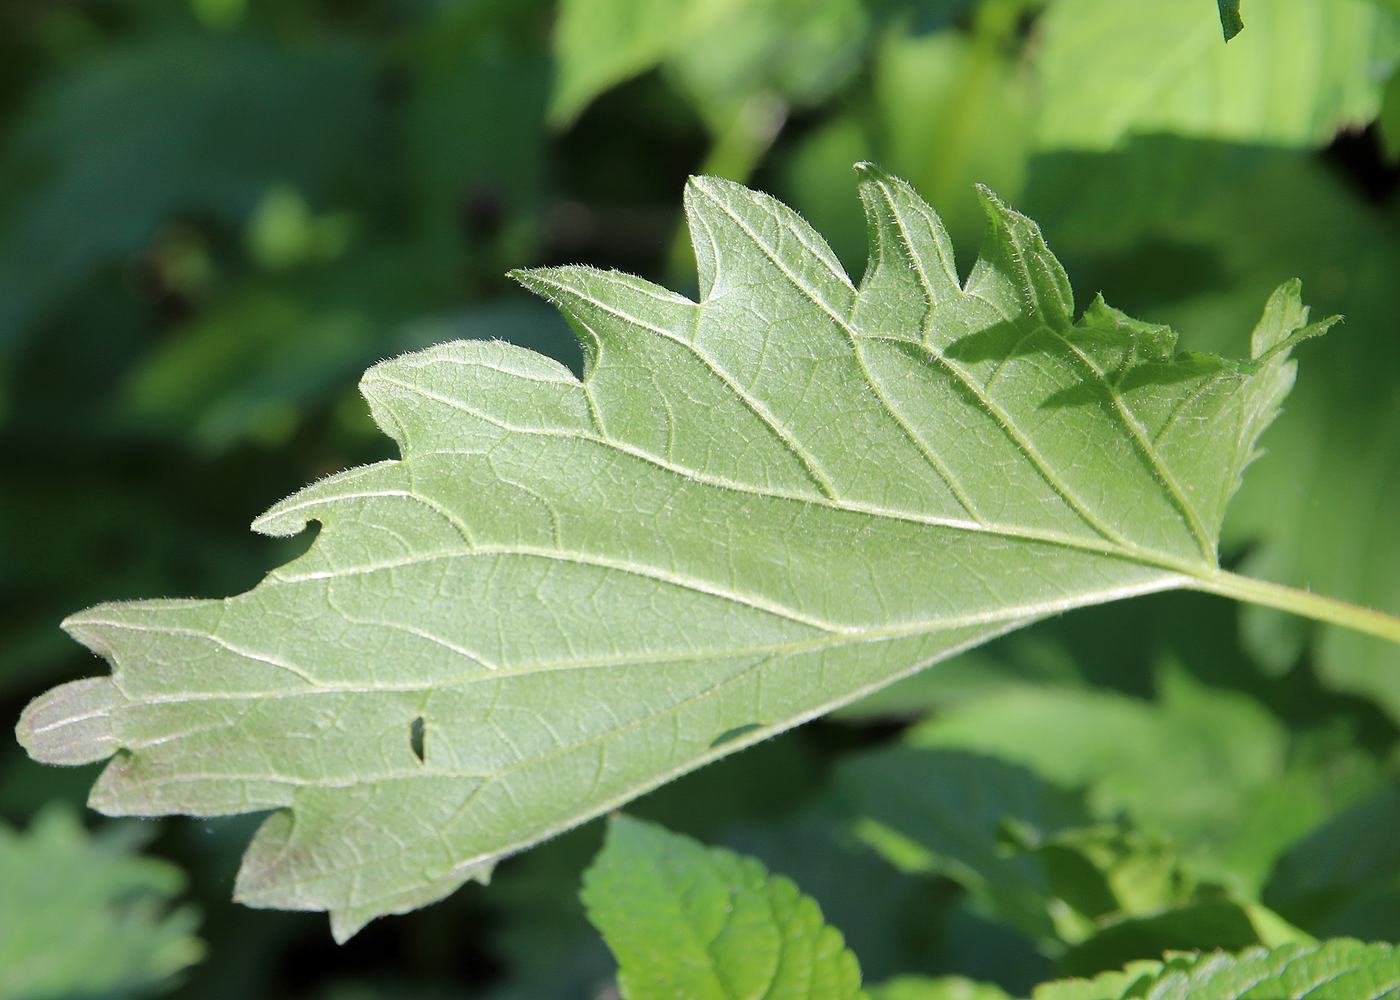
<point x="214" y="215"/>
<point x="80" y="916"/>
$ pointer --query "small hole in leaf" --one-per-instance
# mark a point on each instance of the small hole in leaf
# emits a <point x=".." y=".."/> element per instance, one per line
<point x="730" y="735"/>
<point x="415" y="737"/>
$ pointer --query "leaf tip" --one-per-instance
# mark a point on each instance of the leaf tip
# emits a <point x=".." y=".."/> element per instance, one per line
<point x="71" y="724"/>
<point x="345" y="924"/>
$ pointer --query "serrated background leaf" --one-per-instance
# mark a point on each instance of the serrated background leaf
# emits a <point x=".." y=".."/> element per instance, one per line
<point x="686" y="920"/>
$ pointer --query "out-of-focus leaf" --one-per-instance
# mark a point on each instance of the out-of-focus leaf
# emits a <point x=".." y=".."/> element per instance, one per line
<point x="600" y="43"/>
<point x="1104" y="986"/>
<point x="1096" y="896"/>
<point x="943" y="812"/>
<point x="245" y="370"/>
<point x="191" y="125"/>
<point x="686" y="920"/>
<point x="1300" y="73"/>
<point x="941" y="988"/>
<point x="1344" y="877"/>
<point x="798" y="51"/>
<point x="1390" y="117"/>
<point x="1190" y="926"/>
<point x="720" y="52"/>
<point x="284" y="232"/>
<point x="80" y="916"/>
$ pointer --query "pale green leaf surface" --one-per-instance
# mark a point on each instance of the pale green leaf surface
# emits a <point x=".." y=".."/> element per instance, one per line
<point x="752" y="509"/>
<point x="1300" y="73"/>
<point x="684" y="920"/>
<point x="82" y="916"/>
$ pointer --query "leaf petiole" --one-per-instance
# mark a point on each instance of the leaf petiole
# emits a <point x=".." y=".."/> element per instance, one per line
<point x="1301" y="602"/>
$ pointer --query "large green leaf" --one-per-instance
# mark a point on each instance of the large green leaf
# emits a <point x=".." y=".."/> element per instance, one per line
<point x="752" y="508"/>
<point x="1302" y="71"/>
<point x="687" y="921"/>
<point x="81" y="917"/>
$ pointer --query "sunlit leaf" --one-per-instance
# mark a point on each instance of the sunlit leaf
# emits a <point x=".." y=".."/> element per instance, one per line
<point x="752" y="509"/>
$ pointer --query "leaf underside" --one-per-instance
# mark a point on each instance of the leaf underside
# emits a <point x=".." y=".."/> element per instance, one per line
<point x="750" y="510"/>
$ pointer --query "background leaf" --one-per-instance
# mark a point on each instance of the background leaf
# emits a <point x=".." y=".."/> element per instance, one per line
<point x="684" y="920"/>
<point x="83" y="916"/>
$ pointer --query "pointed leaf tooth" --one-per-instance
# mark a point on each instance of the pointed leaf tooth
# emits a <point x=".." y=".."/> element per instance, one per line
<point x="610" y="306"/>
<point x="1015" y="255"/>
<point x="1284" y="323"/>
<point x="763" y="239"/>
<point x="1147" y="341"/>
<point x="1283" y="314"/>
<point x="72" y="723"/>
<point x="469" y="395"/>
<point x="911" y="256"/>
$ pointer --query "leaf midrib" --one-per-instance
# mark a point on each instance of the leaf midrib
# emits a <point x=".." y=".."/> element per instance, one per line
<point x="317" y="686"/>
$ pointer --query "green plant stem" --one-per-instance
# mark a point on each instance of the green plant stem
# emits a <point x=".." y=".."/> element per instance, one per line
<point x="1302" y="602"/>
